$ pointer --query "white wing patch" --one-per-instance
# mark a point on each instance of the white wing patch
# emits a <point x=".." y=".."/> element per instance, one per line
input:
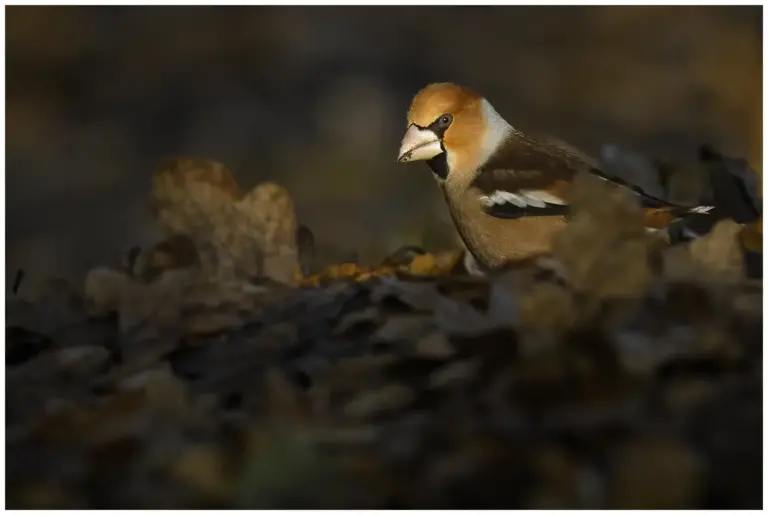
<point x="504" y="197"/>
<point x="523" y="198"/>
<point x="545" y="196"/>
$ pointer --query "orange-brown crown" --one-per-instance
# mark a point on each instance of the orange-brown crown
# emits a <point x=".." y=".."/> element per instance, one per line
<point x="437" y="99"/>
<point x="463" y="137"/>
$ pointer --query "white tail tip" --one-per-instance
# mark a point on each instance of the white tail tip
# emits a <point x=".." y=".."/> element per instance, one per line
<point x="702" y="210"/>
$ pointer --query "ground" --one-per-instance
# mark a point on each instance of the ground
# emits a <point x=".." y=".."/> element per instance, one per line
<point x="220" y="369"/>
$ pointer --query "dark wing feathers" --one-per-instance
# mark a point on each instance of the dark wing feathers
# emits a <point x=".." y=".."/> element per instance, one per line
<point x="527" y="177"/>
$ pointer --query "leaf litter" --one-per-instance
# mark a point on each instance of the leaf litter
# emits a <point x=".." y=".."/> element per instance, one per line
<point x="212" y="370"/>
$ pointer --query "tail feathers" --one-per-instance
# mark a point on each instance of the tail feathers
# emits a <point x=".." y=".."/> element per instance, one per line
<point x="733" y="190"/>
<point x="700" y="210"/>
<point x="663" y="217"/>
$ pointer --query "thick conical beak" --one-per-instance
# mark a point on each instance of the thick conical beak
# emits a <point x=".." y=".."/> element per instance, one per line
<point x="418" y="144"/>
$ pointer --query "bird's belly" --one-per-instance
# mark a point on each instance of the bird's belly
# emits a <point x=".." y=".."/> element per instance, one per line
<point x="495" y="242"/>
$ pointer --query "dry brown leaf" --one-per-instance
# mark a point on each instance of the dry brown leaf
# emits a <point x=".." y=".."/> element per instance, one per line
<point x="424" y="264"/>
<point x="270" y="209"/>
<point x="204" y="324"/>
<point x="104" y="289"/>
<point x="752" y="237"/>
<point x="107" y="420"/>
<point x="678" y="264"/>
<point x="351" y="271"/>
<point x="402" y="328"/>
<point x="178" y="298"/>
<point x="369" y="403"/>
<point x="604" y="248"/>
<point x="82" y="360"/>
<point x="453" y="372"/>
<point x="369" y="314"/>
<point x="419" y="296"/>
<point x="176" y="251"/>
<point x="161" y="391"/>
<point x="449" y="261"/>
<point x="719" y="251"/>
<point x="254" y="235"/>
<point x="547" y="305"/>
<point x="435" y="345"/>
<point x="156" y="304"/>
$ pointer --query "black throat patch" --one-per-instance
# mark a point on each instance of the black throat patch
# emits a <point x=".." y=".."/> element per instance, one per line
<point x="439" y="165"/>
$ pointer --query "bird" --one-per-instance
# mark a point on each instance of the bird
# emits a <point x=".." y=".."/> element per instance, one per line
<point x="507" y="192"/>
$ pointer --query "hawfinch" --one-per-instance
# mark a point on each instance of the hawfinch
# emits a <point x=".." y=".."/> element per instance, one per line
<point x="507" y="192"/>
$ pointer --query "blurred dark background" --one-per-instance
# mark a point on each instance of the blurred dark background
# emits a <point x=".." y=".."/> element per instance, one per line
<point x="315" y="98"/>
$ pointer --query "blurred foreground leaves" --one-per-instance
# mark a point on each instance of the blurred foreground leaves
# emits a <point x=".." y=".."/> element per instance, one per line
<point x="207" y="371"/>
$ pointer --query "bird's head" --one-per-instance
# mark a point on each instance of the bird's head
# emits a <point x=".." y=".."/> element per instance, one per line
<point x="453" y="122"/>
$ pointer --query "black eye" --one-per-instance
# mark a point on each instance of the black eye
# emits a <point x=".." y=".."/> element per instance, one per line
<point x="445" y="120"/>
